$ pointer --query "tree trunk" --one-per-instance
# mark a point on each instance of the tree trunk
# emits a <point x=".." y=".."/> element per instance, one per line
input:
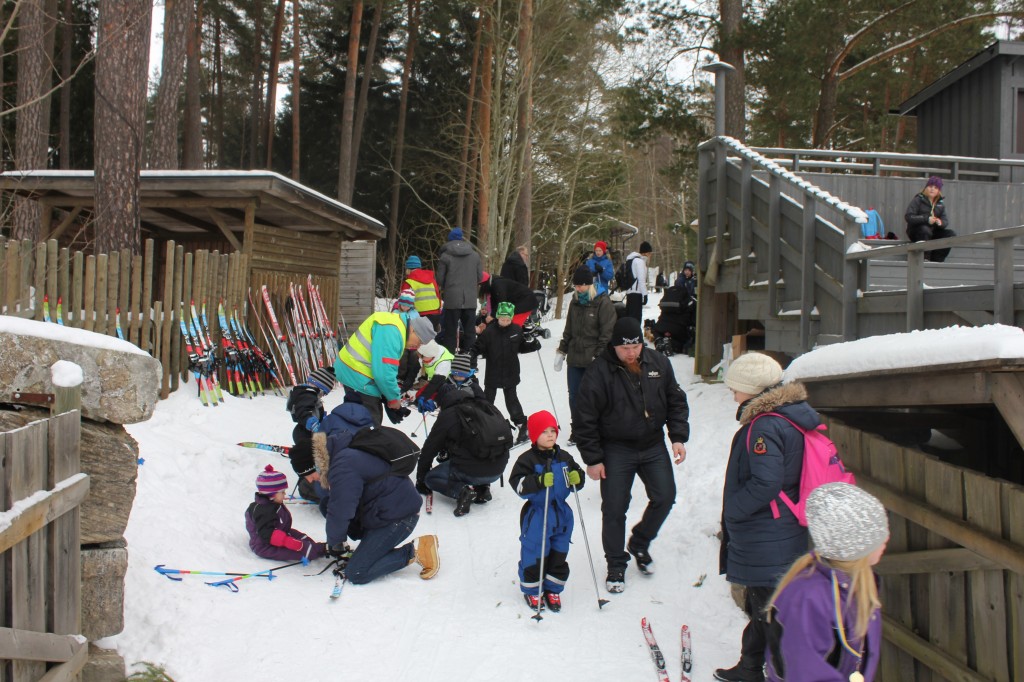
<point x="256" y="132"/>
<point x="524" y="201"/>
<point x="67" y="40"/>
<point x="730" y="50"/>
<point x="463" y="216"/>
<point x="192" y="157"/>
<point x="364" y="88"/>
<point x="275" y="61"/>
<point x="348" y="103"/>
<point x="825" y="116"/>
<point x="403" y="108"/>
<point x="218" y="99"/>
<point x="484" y="179"/>
<point x="163" y="152"/>
<point x="36" y="23"/>
<point x="296" y="90"/>
<point x="120" y="120"/>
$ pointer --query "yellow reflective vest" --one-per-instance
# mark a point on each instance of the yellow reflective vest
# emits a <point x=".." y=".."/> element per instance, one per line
<point x="425" y="295"/>
<point x="357" y="354"/>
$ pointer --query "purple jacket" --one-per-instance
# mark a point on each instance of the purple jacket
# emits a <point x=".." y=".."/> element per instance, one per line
<point x="803" y="641"/>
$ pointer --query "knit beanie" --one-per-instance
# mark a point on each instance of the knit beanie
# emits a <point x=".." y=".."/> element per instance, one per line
<point x="462" y="366"/>
<point x="505" y="309"/>
<point x="601" y="245"/>
<point x="539" y="422"/>
<point x="455" y="234"/>
<point x="752" y="373"/>
<point x="845" y="522"/>
<point x="626" y="331"/>
<point x="582" y="276"/>
<point x="423" y="328"/>
<point x="406" y="298"/>
<point x="934" y="181"/>
<point x="271" y="482"/>
<point x="322" y="378"/>
<point x="645" y="247"/>
<point x="301" y="455"/>
<point x="413" y="262"/>
<point x="430" y="349"/>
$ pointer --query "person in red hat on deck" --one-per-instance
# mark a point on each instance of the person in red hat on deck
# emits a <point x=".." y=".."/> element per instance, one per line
<point x="601" y="265"/>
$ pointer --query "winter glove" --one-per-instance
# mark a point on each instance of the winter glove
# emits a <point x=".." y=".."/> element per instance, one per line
<point x="573" y="477"/>
<point x="395" y="416"/>
<point x="281" y="539"/>
<point x="339" y="551"/>
<point x="422" y="489"/>
<point x="425" y="405"/>
<point x="395" y="404"/>
<point x="559" y="360"/>
<point x="313" y="425"/>
<point x="546" y="480"/>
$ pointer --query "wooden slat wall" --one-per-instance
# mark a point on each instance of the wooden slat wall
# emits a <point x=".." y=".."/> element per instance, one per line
<point x="974" y="617"/>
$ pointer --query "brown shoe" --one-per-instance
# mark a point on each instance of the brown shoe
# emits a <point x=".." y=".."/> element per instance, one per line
<point x="427" y="557"/>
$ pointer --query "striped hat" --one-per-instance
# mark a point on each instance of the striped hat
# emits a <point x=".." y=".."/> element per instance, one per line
<point x="271" y="482"/>
<point x="406" y="299"/>
<point x="462" y="367"/>
<point x="321" y="378"/>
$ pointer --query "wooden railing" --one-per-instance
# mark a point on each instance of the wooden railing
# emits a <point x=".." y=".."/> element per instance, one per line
<point x="40" y="582"/>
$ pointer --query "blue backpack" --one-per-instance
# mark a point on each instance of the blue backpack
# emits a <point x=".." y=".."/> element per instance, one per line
<point x="874" y="228"/>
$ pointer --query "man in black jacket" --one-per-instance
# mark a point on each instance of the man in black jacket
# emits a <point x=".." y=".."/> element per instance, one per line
<point x="517" y="266"/>
<point x="626" y="399"/>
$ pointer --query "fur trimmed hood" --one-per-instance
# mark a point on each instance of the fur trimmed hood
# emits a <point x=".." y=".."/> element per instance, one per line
<point x="321" y="458"/>
<point x="769" y="401"/>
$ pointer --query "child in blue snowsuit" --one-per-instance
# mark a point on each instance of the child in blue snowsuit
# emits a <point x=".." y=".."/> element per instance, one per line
<point x="545" y="470"/>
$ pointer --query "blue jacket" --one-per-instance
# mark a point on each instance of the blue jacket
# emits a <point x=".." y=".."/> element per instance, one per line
<point x="523" y="480"/>
<point x="757" y="548"/>
<point x="363" y="495"/>
<point x="803" y="641"/>
<point x="604" y="272"/>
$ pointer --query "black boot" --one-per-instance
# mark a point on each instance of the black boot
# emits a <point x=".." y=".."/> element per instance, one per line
<point x="483" y="493"/>
<point x="466" y="497"/>
<point x="738" y="673"/>
<point x="523" y="435"/>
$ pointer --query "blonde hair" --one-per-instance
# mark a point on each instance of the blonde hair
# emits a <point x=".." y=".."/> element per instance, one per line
<point x="863" y="588"/>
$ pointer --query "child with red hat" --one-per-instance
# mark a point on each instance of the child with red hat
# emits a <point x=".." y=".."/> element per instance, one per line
<point x="545" y="474"/>
<point x="269" y="523"/>
<point x="600" y="263"/>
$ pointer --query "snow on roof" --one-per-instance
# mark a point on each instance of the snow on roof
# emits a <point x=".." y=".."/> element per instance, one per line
<point x="925" y="348"/>
<point x="57" y="332"/>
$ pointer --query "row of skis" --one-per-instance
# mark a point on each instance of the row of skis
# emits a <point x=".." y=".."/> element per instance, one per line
<point x="304" y="342"/>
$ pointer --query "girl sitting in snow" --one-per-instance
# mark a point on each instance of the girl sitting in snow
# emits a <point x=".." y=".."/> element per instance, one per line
<point x="269" y="523"/>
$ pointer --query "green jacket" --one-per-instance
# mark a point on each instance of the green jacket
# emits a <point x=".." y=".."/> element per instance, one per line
<point x="588" y="329"/>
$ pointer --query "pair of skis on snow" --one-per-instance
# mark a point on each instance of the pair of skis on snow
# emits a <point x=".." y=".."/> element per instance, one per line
<point x="685" y="655"/>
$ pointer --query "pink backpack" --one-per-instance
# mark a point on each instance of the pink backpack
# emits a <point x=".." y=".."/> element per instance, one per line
<point x="821" y="465"/>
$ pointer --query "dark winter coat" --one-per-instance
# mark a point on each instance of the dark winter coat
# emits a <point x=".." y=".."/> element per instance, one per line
<point x="615" y="406"/>
<point x="304" y="402"/>
<point x="757" y="548"/>
<point x="267" y="522"/>
<point x="459" y="271"/>
<point x="502" y="346"/>
<point x="362" y="493"/>
<point x="588" y="328"/>
<point x="604" y="272"/>
<point x="515" y="269"/>
<point x="447" y="434"/>
<point x="689" y="284"/>
<point x="501" y="289"/>
<point x="918" y="212"/>
<point x="677" y="312"/>
<point x="803" y="641"/>
<point x="523" y="480"/>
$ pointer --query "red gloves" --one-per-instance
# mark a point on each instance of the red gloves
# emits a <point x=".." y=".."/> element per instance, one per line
<point x="281" y="539"/>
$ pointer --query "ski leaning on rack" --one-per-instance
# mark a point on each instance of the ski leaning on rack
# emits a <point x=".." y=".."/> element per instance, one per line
<point x="685" y="653"/>
<point x="656" y="655"/>
<point x="281" y="342"/>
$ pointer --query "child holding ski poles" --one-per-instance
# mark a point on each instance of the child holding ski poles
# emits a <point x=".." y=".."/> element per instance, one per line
<point x="269" y="523"/>
<point x="544" y="476"/>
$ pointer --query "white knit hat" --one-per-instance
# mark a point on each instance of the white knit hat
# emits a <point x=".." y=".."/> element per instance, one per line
<point x="430" y="349"/>
<point x="752" y="373"/>
<point x="845" y="522"/>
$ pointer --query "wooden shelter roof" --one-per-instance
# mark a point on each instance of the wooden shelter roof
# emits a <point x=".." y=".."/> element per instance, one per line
<point x="176" y="203"/>
<point x="1000" y="47"/>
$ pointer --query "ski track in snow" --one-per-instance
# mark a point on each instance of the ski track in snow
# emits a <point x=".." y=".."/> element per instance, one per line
<point x="470" y="620"/>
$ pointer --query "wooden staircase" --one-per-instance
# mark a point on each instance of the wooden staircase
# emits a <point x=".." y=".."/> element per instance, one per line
<point x="780" y="253"/>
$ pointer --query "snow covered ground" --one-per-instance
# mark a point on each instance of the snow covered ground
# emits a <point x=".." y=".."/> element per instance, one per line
<point x="470" y="621"/>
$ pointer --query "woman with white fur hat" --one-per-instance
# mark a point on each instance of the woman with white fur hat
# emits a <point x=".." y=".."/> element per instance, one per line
<point x="761" y="538"/>
<point x="825" y="620"/>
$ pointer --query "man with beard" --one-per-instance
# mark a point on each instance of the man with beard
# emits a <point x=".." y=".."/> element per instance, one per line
<point x="628" y="396"/>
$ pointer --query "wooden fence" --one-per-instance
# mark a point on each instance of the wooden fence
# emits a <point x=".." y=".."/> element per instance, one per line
<point x="953" y="573"/>
<point x="142" y="294"/>
<point x="40" y="560"/>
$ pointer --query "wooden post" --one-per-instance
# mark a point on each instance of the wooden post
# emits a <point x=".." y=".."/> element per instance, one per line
<point x="13" y="277"/>
<point x="39" y="279"/>
<point x="66" y="399"/>
<point x="148" y="341"/>
<point x="915" y="290"/>
<point x="807" y="270"/>
<point x="75" y="307"/>
<point x="746" y="221"/>
<point x="1003" y="284"/>
<point x="703" y="208"/>
<point x="113" y="270"/>
<point x="176" y="345"/>
<point x="774" y="240"/>
<point x="63" y="281"/>
<point x="89" y="286"/>
<point x="721" y="212"/>
<point x="51" y="276"/>
<point x="851" y="233"/>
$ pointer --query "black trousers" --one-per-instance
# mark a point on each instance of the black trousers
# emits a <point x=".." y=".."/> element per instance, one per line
<point x="635" y="306"/>
<point x="923" y="233"/>
<point x="449" y="336"/>
<point x="512" y="404"/>
<point x="755" y="635"/>
<point x="621" y="465"/>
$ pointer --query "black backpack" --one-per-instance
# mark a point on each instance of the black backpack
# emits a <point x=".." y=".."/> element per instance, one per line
<point x="391" y="445"/>
<point x="487" y="426"/>
<point x="624" y="277"/>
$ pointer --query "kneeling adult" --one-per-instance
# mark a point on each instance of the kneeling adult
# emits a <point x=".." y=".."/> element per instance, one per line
<point x="366" y="503"/>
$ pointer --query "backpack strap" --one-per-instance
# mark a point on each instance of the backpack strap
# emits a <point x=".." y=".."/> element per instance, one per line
<point x="782" y="493"/>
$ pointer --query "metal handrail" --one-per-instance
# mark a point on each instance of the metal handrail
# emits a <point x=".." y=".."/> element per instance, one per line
<point x="933" y="158"/>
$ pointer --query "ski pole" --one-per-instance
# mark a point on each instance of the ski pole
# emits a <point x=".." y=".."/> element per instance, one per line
<point x="230" y="582"/>
<point x="543" y="540"/>
<point x="171" y="572"/>
<point x="551" y="397"/>
<point x="586" y="541"/>
<point x="425" y="430"/>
